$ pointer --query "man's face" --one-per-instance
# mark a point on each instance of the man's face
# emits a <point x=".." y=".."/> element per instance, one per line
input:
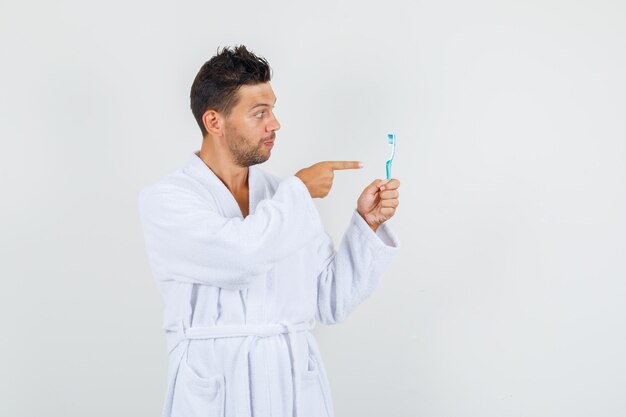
<point x="250" y="127"/>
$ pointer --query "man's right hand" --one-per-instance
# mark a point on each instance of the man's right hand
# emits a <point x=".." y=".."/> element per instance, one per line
<point x="319" y="177"/>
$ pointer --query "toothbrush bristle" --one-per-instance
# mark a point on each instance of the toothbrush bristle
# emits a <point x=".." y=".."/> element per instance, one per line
<point x="390" y="137"/>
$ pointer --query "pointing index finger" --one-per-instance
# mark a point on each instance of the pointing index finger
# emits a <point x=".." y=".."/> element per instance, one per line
<point x="339" y="165"/>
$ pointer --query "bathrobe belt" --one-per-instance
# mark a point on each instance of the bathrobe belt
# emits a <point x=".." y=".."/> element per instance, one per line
<point x="250" y="332"/>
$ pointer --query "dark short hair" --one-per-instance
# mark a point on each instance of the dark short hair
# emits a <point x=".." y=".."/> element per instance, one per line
<point x="216" y="84"/>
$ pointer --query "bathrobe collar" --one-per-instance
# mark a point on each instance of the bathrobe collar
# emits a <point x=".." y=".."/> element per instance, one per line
<point x="196" y="168"/>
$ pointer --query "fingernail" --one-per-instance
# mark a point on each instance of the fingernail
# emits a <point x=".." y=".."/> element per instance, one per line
<point x="361" y="164"/>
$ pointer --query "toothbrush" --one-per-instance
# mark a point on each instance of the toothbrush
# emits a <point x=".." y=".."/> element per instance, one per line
<point x="391" y="140"/>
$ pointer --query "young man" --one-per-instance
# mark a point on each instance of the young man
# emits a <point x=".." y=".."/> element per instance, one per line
<point x="242" y="260"/>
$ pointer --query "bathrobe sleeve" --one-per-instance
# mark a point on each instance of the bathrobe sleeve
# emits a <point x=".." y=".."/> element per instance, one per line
<point x="188" y="240"/>
<point x="350" y="275"/>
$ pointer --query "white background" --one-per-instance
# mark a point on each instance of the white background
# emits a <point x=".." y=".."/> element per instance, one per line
<point x="507" y="298"/>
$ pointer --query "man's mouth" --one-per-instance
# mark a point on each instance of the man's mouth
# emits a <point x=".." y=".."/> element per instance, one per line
<point x="270" y="140"/>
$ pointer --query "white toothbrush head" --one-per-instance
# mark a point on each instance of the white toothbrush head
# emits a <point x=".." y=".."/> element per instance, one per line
<point x="391" y="140"/>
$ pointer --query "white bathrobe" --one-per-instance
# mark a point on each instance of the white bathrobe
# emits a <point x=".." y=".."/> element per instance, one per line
<point x="241" y="295"/>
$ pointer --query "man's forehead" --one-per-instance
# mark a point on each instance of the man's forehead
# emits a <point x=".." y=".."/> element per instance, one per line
<point x="253" y="94"/>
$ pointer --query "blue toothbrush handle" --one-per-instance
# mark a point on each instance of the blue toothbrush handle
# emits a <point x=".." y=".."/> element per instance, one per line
<point x="388" y="166"/>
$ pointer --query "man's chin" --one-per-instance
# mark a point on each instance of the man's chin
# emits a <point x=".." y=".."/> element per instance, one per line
<point x="257" y="161"/>
<point x="265" y="158"/>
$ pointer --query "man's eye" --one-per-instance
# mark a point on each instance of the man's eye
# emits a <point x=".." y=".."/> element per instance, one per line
<point x="260" y="114"/>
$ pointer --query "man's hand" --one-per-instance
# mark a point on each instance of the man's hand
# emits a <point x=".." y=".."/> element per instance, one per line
<point x="378" y="202"/>
<point x="318" y="178"/>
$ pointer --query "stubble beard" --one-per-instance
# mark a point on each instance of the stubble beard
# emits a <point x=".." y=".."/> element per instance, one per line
<point x="244" y="153"/>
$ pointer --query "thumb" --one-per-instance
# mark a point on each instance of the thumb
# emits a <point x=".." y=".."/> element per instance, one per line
<point x="375" y="186"/>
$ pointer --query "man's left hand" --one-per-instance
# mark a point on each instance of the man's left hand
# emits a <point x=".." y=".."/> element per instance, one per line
<point x="378" y="202"/>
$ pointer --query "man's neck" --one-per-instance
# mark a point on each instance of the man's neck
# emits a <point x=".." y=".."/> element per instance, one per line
<point x="234" y="177"/>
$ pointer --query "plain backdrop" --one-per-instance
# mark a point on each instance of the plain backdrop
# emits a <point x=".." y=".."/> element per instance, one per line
<point x="507" y="298"/>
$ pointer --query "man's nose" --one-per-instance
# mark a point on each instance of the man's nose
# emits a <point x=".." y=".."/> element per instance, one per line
<point x="273" y="125"/>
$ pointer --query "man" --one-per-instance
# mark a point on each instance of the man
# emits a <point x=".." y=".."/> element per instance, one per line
<point x="243" y="262"/>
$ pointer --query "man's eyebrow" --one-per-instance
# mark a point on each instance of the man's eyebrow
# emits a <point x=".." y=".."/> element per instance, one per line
<point x="261" y="105"/>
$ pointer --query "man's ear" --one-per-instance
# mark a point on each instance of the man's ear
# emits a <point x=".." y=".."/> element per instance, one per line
<point x="213" y="123"/>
